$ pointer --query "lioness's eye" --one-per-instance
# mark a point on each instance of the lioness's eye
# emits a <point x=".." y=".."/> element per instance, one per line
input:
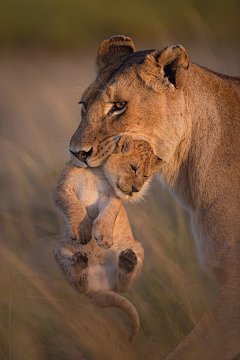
<point x="119" y="107"/>
<point x="84" y="107"/>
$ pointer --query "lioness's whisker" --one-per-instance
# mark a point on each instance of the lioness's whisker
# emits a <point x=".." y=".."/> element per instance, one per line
<point x="127" y="130"/>
<point x="65" y="142"/>
<point x="145" y="130"/>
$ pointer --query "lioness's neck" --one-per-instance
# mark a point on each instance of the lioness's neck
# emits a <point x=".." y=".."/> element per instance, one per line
<point x="208" y="113"/>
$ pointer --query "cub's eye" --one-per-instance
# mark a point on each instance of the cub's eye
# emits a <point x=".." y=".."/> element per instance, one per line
<point x="145" y="177"/>
<point x="134" y="169"/>
<point x="119" y="107"/>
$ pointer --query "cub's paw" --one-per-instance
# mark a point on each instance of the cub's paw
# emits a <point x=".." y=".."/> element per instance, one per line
<point x="127" y="260"/>
<point x="103" y="236"/>
<point x="80" y="260"/>
<point x="81" y="232"/>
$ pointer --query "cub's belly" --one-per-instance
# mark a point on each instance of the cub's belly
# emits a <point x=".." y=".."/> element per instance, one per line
<point x="101" y="278"/>
<point x="87" y="197"/>
<point x="90" y="199"/>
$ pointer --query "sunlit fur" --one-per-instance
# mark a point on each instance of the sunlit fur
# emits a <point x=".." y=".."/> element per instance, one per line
<point x="191" y="118"/>
<point x="118" y="168"/>
<point x="98" y="222"/>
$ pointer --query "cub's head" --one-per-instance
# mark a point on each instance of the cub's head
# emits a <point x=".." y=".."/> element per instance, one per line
<point x="136" y="93"/>
<point x="130" y="167"/>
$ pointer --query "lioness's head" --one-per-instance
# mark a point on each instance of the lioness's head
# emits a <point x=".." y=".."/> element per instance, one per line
<point x="135" y="93"/>
<point x="130" y="167"/>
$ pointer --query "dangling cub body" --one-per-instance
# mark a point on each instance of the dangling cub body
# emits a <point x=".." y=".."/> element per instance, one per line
<point x="105" y="259"/>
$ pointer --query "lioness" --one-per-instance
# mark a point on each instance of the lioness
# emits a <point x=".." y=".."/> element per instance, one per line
<point x="85" y="196"/>
<point x="191" y="117"/>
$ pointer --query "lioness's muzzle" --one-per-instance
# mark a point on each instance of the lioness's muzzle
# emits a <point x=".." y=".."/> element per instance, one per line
<point x="82" y="155"/>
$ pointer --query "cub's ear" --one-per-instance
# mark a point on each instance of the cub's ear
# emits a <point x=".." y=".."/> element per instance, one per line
<point x="112" y="49"/>
<point x="169" y="66"/>
<point x="124" y="145"/>
<point x="157" y="163"/>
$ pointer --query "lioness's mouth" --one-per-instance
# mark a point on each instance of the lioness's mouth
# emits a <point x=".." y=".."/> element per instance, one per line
<point x="83" y="156"/>
<point x="78" y="163"/>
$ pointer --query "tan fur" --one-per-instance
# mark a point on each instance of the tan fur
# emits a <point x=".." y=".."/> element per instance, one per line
<point x="131" y="173"/>
<point x="191" y="118"/>
<point x="85" y="197"/>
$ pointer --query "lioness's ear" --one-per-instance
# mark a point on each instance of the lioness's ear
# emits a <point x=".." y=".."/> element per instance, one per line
<point x="125" y="145"/>
<point x="166" y="67"/>
<point x="174" y="60"/>
<point x="112" y="49"/>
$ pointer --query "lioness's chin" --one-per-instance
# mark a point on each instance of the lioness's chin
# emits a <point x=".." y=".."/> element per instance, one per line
<point x="78" y="162"/>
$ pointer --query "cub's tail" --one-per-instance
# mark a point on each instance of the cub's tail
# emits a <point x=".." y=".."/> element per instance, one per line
<point x="106" y="299"/>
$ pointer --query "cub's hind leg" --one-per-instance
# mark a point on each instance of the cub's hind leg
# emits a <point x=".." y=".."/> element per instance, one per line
<point x="130" y="263"/>
<point x="127" y="260"/>
<point x="79" y="262"/>
<point x="73" y="264"/>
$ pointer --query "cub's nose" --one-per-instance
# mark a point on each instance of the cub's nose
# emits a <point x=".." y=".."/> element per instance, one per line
<point x="135" y="189"/>
<point x="82" y="155"/>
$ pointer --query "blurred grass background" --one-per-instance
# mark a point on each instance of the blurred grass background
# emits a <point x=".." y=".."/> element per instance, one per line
<point x="47" y="49"/>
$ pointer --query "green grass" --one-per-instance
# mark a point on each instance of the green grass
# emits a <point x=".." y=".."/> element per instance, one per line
<point x="42" y="317"/>
<point x="77" y="24"/>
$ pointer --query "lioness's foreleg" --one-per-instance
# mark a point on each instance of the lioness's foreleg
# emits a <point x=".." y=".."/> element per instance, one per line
<point x="217" y="336"/>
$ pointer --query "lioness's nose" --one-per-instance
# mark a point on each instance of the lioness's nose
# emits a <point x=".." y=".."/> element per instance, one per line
<point x="82" y="155"/>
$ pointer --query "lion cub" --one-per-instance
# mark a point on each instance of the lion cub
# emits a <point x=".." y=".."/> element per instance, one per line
<point x="96" y="216"/>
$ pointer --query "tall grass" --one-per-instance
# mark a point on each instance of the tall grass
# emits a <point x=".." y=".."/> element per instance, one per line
<point x="42" y="317"/>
